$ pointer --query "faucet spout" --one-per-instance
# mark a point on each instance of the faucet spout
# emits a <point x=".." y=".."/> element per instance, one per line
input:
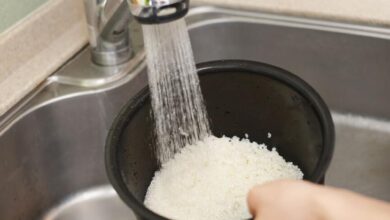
<point x="108" y="24"/>
<point x="158" y="11"/>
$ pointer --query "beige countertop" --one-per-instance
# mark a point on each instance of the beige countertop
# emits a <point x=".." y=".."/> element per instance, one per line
<point x="38" y="45"/>
<point x="35" y="47"/>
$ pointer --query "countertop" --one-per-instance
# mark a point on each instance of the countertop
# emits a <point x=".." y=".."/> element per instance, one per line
<point x="38" y="45"/>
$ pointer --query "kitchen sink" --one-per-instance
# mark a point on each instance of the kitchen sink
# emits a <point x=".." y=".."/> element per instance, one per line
<point x="52" y="142"/>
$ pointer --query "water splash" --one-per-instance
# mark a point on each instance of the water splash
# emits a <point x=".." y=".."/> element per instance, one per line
<point x="177" y="102"/>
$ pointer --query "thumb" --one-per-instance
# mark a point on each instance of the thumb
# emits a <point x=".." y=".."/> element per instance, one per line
<point x="254" y="201"/>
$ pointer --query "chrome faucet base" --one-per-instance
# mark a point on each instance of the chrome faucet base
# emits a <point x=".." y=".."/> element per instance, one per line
<point x="111" y="58"/>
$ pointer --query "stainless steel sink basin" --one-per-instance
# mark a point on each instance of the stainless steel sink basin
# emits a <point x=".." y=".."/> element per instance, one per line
<point x="51" y="144"/>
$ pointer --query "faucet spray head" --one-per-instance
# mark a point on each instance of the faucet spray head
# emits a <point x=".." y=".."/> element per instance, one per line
<point x="158" y="11"/>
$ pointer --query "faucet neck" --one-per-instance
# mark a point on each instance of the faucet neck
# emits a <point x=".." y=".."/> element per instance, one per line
<point x="108" y="25"/>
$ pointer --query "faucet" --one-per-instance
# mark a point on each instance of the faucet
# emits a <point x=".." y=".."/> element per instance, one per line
<point x="108" y="24"/>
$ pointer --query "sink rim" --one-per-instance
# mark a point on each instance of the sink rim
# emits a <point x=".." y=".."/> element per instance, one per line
<point x="234" y="15"/>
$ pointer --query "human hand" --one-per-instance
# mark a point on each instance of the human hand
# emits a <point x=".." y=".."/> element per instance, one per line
<point x="301" y="200"/>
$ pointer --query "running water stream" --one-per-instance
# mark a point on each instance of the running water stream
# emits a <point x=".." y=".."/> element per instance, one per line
<point x="178" y="107"/>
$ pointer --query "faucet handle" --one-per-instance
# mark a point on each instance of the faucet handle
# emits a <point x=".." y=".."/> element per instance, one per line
<point x="158" y="11"/>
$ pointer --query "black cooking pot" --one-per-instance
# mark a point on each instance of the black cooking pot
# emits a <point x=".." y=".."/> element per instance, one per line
<point x="242" y="97"/>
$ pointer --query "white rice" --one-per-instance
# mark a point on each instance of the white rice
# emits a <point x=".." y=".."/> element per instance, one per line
<point x="211" y="179"/>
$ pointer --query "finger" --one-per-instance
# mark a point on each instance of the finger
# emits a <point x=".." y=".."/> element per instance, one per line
<point x="254" y="200"/>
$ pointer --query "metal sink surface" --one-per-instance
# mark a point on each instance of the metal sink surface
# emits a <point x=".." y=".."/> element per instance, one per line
<point x="52" y="142"/>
